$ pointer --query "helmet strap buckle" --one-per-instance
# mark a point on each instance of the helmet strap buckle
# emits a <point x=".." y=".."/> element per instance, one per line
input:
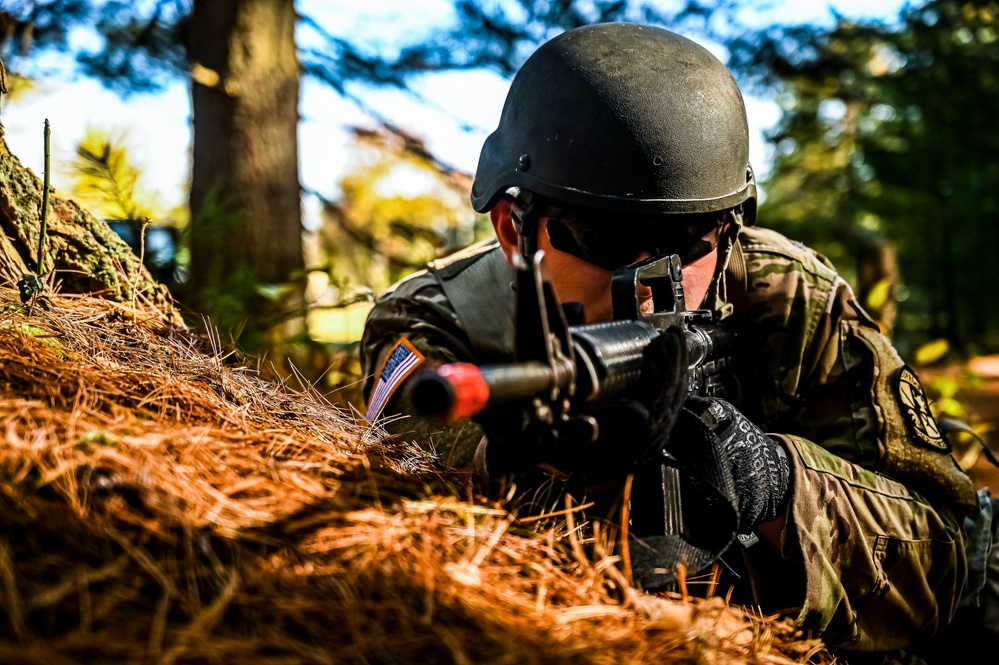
<point x="526" y="223"/>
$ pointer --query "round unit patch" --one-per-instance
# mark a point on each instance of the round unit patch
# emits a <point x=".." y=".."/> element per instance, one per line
<point x="916" y="411"/>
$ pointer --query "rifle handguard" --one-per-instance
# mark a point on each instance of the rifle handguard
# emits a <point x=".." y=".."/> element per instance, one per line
<point x="561" y="366"/>
<point x="608" y="360"/>
<point x="462" y="390"/>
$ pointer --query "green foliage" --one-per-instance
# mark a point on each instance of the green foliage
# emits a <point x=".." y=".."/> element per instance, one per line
<point x="231" y="298"/>
<point x="19" y="87"/>
<point x="218" y="220"/>
<point x="888" y="134"/>
<point x="231" y="302"/>
<point x="107" y="178"/>
<point x="97" y="438"/>
<point x="145" y="45"/>
<point x="398" y="210"/>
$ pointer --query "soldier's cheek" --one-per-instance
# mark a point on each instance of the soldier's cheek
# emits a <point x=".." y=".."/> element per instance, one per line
<point x="697" y="277"/>
<point x="578" y="281"/>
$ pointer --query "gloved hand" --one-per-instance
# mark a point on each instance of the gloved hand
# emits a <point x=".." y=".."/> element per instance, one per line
<point x="632" y="428"/>
<point x="635" y="427"/>
<point x="758" y="464"/>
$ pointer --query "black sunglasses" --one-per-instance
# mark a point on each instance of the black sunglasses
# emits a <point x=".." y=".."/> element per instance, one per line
<point x="614" y="243"/>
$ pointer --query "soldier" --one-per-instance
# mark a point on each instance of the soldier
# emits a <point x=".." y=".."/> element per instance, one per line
<point x="618" y="142"/>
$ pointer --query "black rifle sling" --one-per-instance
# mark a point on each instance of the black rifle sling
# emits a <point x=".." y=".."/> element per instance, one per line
<point x="737" y="279"/>
<point x="479" y="290"/>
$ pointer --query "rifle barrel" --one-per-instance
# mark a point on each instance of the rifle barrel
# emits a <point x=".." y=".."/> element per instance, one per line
<point x="608" y="357"/>
<point x="463" y="390"/>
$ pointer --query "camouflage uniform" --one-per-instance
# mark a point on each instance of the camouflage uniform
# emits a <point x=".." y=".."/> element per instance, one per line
<point x="873" y="537"/>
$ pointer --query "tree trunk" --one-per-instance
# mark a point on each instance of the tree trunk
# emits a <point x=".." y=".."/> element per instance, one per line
<point x="877" y="269"/>
<point x="246" y="230"/>
<point x="84" y="254"/>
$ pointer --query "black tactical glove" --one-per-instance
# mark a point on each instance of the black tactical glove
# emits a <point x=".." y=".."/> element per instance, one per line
<point x="758" y="464"/>
<point x="631" y="428"/>
<point x="638" y="423"/>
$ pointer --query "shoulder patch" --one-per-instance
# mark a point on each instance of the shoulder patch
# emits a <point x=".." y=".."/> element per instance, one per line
<point x="916" y="411"/>
<point x="399" y="363"/>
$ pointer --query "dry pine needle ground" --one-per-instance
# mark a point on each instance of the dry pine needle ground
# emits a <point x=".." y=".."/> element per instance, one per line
<point x="161" y="504"/>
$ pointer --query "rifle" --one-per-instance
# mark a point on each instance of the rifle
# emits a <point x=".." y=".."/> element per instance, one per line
<point x="562" y="371"/>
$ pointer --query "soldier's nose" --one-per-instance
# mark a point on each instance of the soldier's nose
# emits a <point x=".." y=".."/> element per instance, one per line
<point x="644" y="254"/>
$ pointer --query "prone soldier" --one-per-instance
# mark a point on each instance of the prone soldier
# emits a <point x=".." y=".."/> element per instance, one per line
<point x="621" y="142"/>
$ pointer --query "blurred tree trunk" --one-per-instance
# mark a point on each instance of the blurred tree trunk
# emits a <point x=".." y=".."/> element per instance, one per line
<point x="878" y="279"/>
<point x="85" y="255"/>
<point x="246" y="231"/>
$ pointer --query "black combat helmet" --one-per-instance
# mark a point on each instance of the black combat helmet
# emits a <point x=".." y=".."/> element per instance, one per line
<point x="622" y="117"/>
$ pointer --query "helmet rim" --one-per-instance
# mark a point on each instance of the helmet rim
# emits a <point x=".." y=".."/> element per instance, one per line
<point x="622" y="117"/>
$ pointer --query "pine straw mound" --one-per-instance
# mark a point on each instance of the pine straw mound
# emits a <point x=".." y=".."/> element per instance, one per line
<point x="160" y="504"/>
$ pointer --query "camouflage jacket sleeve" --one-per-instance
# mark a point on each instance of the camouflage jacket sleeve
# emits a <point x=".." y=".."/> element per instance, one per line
<point x="876" y="499"/>
<point x="418" y="310"/>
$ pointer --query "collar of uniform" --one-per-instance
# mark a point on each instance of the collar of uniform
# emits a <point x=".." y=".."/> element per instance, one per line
<point x="718" y="292"/>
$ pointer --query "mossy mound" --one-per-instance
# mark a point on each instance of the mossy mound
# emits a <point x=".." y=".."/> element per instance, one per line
<point x="161" y="503"/>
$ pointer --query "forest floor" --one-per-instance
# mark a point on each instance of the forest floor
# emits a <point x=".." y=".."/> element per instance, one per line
<point x="161" y="502"/>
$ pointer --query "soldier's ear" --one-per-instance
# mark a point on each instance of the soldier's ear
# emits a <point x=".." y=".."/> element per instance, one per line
<point x="502" y="218"/>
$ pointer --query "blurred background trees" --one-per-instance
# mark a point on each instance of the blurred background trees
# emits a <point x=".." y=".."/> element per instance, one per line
<point x="886" y="159"/>
<point x="375" y="234"/>
<point x="244" y="173"/>
<point x="884" y="154"/>
<point x="244" y="68"/>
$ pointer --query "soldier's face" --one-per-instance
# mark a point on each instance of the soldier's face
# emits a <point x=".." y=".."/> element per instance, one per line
<point x="574" y="279"/>
<point x="577" y="280"/>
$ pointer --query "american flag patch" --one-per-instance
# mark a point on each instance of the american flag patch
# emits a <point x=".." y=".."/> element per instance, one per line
<point x="402" y="360"/>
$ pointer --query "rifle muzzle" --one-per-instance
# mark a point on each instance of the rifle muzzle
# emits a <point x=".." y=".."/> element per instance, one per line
<point x="462" y="390"/>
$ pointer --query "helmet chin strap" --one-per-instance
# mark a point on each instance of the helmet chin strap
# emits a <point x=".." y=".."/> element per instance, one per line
<point x="526" y="223"/>
<point x="719" y="289"/>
